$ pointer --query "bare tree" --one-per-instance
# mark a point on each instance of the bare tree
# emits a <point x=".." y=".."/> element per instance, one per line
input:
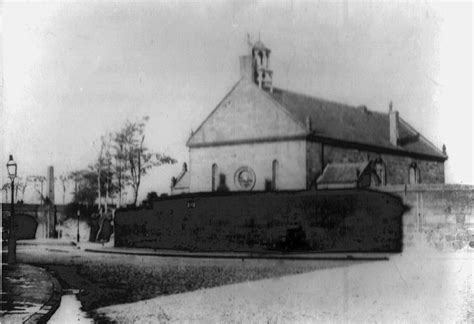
<point x="6" y="188"/>
<point x="140" y="160"/>
<point x="99" y="169"/>
<point x="64" y="178"/>
<point x="108" y="174"/>
<point x="85" y="186"/>
<point x="103" y="168"/>
<point x="20" y="187"/>
<point x="24" y="185"/>
<point x="39" y="185"/>
<point x="121" y="167"/>
<point x="76" y="177"/>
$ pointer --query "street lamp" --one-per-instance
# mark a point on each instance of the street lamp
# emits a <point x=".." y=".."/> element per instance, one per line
<point x="78" y="215"/>
<point x="11" y="168"/>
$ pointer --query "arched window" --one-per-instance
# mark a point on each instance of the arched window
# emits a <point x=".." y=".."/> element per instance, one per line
<point x="214" y="177"/>
<point x="379" y="168"/>
<point x="274" y="174"/>
<point x="414" y="174"/>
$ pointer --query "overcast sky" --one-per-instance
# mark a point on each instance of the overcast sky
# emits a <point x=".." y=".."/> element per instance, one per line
<point x="74" y="71"/>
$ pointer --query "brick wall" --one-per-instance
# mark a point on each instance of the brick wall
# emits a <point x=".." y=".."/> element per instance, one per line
<point x="337" y="220"/>
<point x="397" y="167"/>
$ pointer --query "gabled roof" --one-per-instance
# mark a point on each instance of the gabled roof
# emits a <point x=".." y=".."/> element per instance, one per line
<point x="353" y="124"/>
<point x="246" y="114"/>
<point x="342" y="172"/>
<point x="330" y="121"/>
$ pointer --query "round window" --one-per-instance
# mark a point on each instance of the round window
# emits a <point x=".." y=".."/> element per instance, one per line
<point x="244" y="178"/>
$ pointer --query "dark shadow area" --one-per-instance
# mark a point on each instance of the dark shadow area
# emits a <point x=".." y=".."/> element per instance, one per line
<point x="345" y="220"/>
<point x="222" y="187"/>
<point x="26" y="226"/>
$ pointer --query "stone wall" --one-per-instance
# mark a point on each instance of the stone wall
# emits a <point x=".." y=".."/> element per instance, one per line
<point x="46" y="217"/>
<point x="396" y="167"/>
<point x="336" y="220"/>
<point x="442" y="216"/>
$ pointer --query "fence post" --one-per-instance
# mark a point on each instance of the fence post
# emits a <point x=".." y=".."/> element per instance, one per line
<point x="422" y="216"/>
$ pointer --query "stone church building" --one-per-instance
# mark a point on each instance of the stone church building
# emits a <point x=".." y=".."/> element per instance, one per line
<point x="260" y="137"/>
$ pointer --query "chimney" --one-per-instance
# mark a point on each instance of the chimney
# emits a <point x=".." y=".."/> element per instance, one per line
<point x="308" y="123"/>
<point x="51" y="184"/>
<point x="246" y="68"/>
<point x="393" y="117"/>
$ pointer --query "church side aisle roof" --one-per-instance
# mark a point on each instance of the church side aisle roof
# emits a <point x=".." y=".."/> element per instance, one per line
<point x="183" y="181"/>
<point x="342" y="172"/>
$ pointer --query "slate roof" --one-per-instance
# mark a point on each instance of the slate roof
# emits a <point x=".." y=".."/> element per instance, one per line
<point x="352" y="124"/>
<point x="342" y="172"/>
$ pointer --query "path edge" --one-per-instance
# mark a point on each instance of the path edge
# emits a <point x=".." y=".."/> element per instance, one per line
<point x="50" y="307"/>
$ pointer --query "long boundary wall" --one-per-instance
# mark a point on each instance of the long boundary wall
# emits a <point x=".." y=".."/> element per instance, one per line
<point x="441" y="215"/>
<point x="335" y="220"/>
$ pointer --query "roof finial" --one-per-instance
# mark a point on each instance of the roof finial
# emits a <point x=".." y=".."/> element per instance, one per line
<point x="249" y="42"/>
<point x="390" y="106"/>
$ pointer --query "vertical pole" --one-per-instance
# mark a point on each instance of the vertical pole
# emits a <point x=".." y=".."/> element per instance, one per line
<point x="47" y="223"/>
<point x="55" y="222"/>
<point x="12" y="238"/>
<point x="98" y="185"/>
<point x="78" y="214"/>
<point x="422" y="216"/>
<point x="107" y="190"/>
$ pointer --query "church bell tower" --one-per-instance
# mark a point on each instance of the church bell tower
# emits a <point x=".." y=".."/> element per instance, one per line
<point x="255" y="66"/>
<point x="262" y="75"/>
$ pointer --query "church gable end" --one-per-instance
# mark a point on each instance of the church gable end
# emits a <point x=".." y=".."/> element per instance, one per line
<point x="247" y="113"/>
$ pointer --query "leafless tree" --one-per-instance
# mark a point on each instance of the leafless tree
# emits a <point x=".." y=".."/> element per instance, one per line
<point x="6" y="188"/>
<point x="64" y="178"/>
<point x="39" y="182"/>
<point x="130" y="141"/>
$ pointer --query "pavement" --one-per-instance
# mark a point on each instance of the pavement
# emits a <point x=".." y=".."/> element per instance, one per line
<point x="29" y="294"/>
<point x="109" y="248"/>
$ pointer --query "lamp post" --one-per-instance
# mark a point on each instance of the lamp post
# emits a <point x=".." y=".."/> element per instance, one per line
<point x="78" y="214"/>
<point x="11" y="168"/>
